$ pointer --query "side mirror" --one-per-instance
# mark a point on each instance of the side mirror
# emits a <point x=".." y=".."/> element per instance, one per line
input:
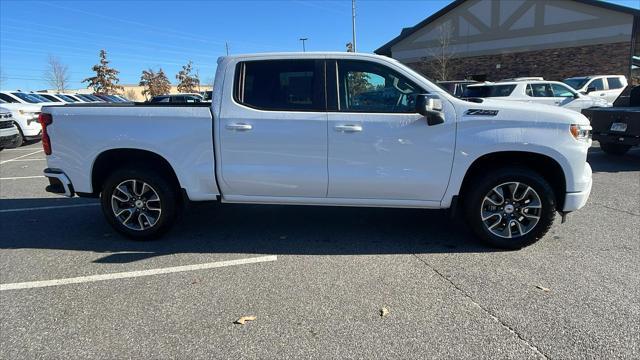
<point x="591" y="89"/>
<point x="430" y="106"/>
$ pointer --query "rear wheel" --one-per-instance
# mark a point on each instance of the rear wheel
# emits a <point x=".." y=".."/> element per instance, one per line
<point x="510" y="208"/>
<point x="139" y="203"/>
<point x="615" y="149"/>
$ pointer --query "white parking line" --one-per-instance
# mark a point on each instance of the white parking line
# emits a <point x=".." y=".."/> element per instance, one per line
<point x="22" y="177"/>
<point x="47" y="207"/>
<point x="22" y="149"/>
<point x="14" y="160"/>
<point x="132" y="274"/>
<point x="20" y="157"/>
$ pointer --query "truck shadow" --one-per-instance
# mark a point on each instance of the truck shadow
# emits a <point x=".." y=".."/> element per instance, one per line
<point x="246" y="229"/>
<point x="603" y="162"/>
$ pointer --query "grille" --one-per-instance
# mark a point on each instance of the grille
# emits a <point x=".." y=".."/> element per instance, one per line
<point x="5" y="124"/>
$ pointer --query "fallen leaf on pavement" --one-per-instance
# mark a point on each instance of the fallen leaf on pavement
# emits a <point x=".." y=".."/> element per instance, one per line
<point x="543" y="288"/>
<point x="384" y="312"/>
<point x="244" y="319"/>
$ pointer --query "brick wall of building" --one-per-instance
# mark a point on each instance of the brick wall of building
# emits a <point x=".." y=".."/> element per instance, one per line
<point x="553" y="64"/>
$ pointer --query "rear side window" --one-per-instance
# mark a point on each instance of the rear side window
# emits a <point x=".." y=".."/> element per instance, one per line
<point x="290" y="85"/>
<point x="489" y="91"/>
<point x="614" y="83"/>
<point x="8" y="98"/>
<point x="50" y="98"/>
<point x="598" y="84"/>
<point x="540" y="90"/>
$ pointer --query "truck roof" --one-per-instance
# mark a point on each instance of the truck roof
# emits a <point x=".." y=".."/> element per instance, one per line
<point x="308" y="54"/>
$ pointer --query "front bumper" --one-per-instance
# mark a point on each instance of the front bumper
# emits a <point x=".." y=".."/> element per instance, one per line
<point x="59" y="183"/>
<point x="576" y="200"/>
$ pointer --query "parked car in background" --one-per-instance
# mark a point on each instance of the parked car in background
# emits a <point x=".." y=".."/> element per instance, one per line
<point x="75" y="98"/>
<point x="89" y="98"/>
<point x="109" y="98"/>
<point x="206" y="95"/>
<point x="23" y="98"/>
<point x="25" y="116"/>
<point x="617" y="128"/>
<point x="607" y="87"/>
<point x="284" y="133"/>
<point x="60" y="98"/>
<point x="9" y="134"/>
<point x="456" y="87"/>
<point x="536" y="92"/>
<point x="177" y="98"/>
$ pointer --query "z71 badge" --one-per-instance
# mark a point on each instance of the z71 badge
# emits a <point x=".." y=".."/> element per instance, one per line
<point x="481" y="112"/>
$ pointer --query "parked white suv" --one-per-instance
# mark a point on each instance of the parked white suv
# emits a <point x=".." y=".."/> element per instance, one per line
<point x="25" y="116"/>
<point x="8" y="131"/>
<point x="544" y="92"/>
<point x="607" y="87"/>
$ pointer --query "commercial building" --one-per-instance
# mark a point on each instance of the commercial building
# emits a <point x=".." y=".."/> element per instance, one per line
<point x="496" y="39"/>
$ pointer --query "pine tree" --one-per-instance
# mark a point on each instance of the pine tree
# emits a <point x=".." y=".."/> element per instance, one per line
<point x="106" y="79"/>
<point x="186" y="82"/>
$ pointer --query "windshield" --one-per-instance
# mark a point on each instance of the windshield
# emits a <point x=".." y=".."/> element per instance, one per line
<point x="488" y="91"/>
<point x="47" y="98"/>
<point x="27" y="97"/>
<point x="66" y="98"/>
<point x="576" y="83"/>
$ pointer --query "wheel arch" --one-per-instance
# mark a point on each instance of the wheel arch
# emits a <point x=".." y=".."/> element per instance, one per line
<point x="544" y="165"/>
<point x="113" y="159"/>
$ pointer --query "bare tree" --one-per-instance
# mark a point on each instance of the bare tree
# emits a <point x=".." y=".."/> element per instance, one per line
<point x="57" y="74"/>
<point x="439" y="58"/>
<point x="131" y="94"/>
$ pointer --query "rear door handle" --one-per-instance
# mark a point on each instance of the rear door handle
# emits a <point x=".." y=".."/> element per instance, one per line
<point x="239" y="126"/>
<point x="348" y="128"/>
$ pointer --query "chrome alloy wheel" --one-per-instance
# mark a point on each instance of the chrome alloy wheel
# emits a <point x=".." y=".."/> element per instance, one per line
<point x="136" y="204"/>
<point x="511" y="210"/>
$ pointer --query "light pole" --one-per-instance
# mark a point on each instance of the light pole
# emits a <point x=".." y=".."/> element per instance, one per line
<point x="304" y="49"/>
<point x="353" y="24"/>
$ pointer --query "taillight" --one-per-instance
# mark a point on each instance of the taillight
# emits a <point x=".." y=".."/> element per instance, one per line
<point x="45" y="120"/>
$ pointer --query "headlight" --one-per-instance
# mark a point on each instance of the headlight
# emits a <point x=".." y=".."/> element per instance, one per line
<point x="580" y="132"/>
<point x="28" y="113"/>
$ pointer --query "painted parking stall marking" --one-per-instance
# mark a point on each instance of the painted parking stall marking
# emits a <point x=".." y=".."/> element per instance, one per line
<point x="47" y="207"/>
<point x="20" y="157"/>
<point x="133" y="274"/>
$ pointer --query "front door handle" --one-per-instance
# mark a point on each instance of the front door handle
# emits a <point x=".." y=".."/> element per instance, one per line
<point x="349" y="128"/>
<point x="239" y="126"/>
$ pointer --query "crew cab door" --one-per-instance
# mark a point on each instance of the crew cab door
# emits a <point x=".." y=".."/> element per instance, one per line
<point x="273" y="134"/>
<point x="379" y="147"/>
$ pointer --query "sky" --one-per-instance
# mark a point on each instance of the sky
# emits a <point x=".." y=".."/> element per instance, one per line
<point x="138" y="35"/>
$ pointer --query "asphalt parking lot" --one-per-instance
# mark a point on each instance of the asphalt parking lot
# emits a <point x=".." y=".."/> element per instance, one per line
<point x="316" y="279"/>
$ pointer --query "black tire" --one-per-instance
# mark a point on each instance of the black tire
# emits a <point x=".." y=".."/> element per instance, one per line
<point x="162" y="186"/>
<point x="20" y="139"/>
<point x="474" y="202"/>
<point x="615" y="149"/>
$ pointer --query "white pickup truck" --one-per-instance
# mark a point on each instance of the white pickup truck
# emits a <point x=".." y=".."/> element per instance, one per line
<point x="338" y="129"/>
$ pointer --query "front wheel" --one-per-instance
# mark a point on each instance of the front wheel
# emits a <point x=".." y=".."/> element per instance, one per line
<point x="139" y="203"/>
<point x="615" y="149"/>
<point x="510" y="208"/>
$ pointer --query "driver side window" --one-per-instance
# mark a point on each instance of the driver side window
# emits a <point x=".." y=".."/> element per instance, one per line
<point x="369" y="87"/>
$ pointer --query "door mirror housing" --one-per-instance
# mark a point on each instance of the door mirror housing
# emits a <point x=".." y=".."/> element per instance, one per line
<point x="591" y="89"/>
<point x="430" y="106"/>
